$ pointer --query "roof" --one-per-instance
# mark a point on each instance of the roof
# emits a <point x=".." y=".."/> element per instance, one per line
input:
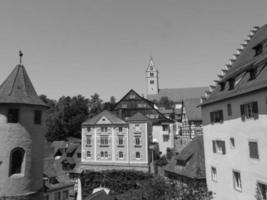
<point x="111" y="117"/>
<point x="193" y="154"/>
<point x="239" y="71"/>
<point x="179" y="94"/>
<point x="18" y="88"/>
<point x="138" y="117"/>
<point x="192" y="109"/>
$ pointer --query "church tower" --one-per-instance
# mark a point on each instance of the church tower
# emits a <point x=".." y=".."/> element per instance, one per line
<point x="152" y="79"/>
<point x="22" y="131"/>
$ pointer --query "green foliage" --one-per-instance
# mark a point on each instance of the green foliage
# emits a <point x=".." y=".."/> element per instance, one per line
<point x="162" y="161"/>
<point x="169" y="153"/>
<point x="66" y="117"/>
<point x="165" y="102"/>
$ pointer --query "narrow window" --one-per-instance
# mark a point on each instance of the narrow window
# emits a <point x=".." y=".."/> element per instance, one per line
<point x="88" y="154"/>
<point x="166" y="138"/>
<point x="151" y="74"/>
<point x="120" y="154"/>
<point x="13" y="116"/>
<point x="120" y="129"/>
<point x="262" y="188"/>
<point x="237" y="180"/>
<point x="213" y="174"/>
<point x="37" y="117"/>
<point x="65" y="194"/>
<point x="137" y="141"/>
<point x="232" y="142"/>
<point x="104" y="140"/>
<point x="218" y="146"/>
<point x="88" y="129"/>
<point x="16" y="161"/>
<point x="88" y="140"/>
<point x="104" y="129"/>
<point x="229" y="109"/>
<point x="252" y="74"/>
<point x="57" y="195"/>
<point x="253" y="149"/>
<point x="137" y="155"/>
<point x="222" y="86"/>
<point x="137" y="128"/>
<point x="151" y="81"/>
<point x="231" y="83"/>
<point x="120" y="140"/>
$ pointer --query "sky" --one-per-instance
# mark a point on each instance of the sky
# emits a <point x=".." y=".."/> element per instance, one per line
<point x="103" y="46"/>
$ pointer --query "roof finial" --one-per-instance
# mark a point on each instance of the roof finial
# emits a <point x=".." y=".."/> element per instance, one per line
<point x="20" y="56"/>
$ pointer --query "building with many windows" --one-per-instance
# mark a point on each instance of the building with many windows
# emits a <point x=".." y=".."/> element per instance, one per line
<point x="109" y="142"/>
<point x="234" y="119"/>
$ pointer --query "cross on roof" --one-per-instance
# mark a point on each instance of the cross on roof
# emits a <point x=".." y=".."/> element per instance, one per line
<point x="20" y="56"/>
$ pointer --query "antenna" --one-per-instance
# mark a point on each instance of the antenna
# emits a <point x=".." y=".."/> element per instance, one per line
<point x="20" y="56"/>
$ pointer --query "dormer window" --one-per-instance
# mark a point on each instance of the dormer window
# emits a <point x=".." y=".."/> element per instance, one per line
<point x="252" y="74"/>
<point x="231" y="83"/>
<point x="222" y="86"/>
<point x="258" y="49"/>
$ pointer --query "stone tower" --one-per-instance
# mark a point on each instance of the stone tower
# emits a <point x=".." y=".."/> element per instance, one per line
<point x="22" y="132"/>
<point x="152" y="79"/>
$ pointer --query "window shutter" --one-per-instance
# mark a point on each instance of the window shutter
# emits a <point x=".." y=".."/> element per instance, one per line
<point x="255" y="110"/>
<point x="223" y="147"/>
<point x="214" y="146"/>
<point x="242" y="111"/>
<point x="212" y="117"/>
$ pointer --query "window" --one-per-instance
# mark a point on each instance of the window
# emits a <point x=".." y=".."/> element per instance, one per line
<point x="57" y="196"/>
<point x="65" y="194"/>
<point x="13" y="116"/>
<point x="262" y="188"/>
<point x="37" y="117"/>
<point x="120" y="154"/>
<point x="258" y="49"/>
<point x="53" y="180"/>
<point x="104" y="154"/>
<point x="120" y="140"/>
<point x="218" y="146"/>
<point x="88" y="140"/>
<point x="222" y="86"/>
<point x="124" y="105"/>
<point x="137" y="141"/>
<point x="165" y="127"/>
<point x="104" y="140"/>
<point x="79" y="155"/>
<point x="137" y="128"/>
<point x="252" y="74"/>
<point x="213" y="173"/>
<point x="237" y="180"/>
<point x="46" y="197"/>
<point x="88" y="154"/>
<point x="253" y="149"/>
<point x="216" y="116"/>
<point x="249" y="111"/>
<point x="137" y="155"/>
<point x="88" y="129"/>
<point x="132" y="96"/>
<point x="151" y="74"/>
<point x="232" y="142"/>
<point x="141" y="105"/>
<point x="229" y="109"/>
<point x="166" y="138"/>
<point x="16" y="161"/>
<point x="231" y="83"/>
<point x="120" y="129"/>
<point x="151" y="81"/>
<point x="104" y="129"/>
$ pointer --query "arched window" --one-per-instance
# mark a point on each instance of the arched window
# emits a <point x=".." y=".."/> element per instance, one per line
<point x="16" y="161"/>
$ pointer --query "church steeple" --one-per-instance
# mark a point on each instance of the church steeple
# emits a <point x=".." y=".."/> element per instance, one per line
<point x="152" y="78"/>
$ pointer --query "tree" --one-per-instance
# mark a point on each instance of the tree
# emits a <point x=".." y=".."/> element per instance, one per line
<point x="66" y="119"/>
<point x="95" y="105"/>
<point x="166" y="102"/>
<point x="110" y="105"/>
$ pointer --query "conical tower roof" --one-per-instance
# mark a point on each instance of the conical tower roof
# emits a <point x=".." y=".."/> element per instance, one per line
<point x="18" y="88"/>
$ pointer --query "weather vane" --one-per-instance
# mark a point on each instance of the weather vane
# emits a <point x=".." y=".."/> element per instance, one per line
<point x="20" y="56"/>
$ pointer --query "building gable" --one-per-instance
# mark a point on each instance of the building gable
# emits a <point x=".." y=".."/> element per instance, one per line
<point x="103" y="120"/>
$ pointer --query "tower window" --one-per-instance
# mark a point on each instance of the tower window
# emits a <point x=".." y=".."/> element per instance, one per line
<point x="152" y="82"/>
<point x="13" y="116"/>
<point x="151" y="74"/>
<point x="37" y="117"/>
<point x="16" y="161"/>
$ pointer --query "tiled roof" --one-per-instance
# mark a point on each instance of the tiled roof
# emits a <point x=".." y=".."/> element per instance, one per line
<point x="192" y="109"/>
<point x="138" y="117"/>
<point x="18" y="88"/>
<point x="110" y="116"/>
<point x="179" y="94"/>
<point x="239" y="70"/>
<point x="195" y="165"/>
